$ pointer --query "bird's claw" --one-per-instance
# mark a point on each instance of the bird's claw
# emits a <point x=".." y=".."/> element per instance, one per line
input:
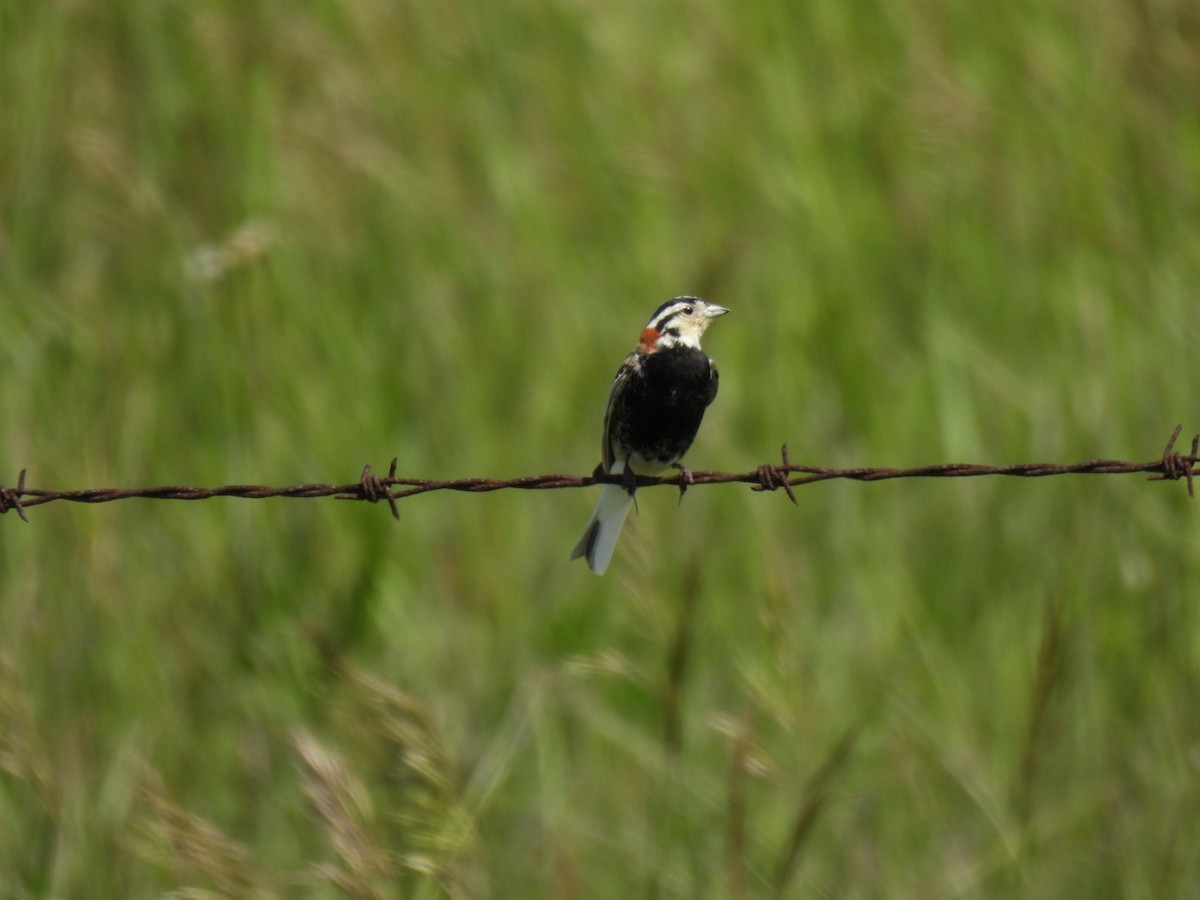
<point x="629" y="479"/>
<point x="685" y="479"/>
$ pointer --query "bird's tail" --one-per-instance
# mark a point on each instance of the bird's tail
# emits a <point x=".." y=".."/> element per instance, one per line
<point x="600" y="537"/>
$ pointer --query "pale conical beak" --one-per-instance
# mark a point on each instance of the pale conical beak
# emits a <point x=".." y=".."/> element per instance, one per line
<point x="712" y="311"/>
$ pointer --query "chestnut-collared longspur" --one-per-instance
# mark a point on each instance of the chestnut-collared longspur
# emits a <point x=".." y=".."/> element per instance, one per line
<point x="654" y="410"/>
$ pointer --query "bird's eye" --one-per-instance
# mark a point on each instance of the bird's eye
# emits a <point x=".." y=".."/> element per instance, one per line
<point x="689" y="310"/>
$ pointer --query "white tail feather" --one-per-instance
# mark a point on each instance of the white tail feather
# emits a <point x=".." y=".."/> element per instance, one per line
<point x="600" y="537"/>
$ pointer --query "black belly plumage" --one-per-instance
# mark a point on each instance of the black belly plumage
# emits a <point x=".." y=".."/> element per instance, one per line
<point x="660" y="408"/>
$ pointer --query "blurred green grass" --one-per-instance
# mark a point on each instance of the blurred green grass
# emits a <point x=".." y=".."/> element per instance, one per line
<point x="250" y="242"/>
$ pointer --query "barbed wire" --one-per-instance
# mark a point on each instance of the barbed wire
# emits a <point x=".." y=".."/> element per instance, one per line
<point x="1171" y="466"/>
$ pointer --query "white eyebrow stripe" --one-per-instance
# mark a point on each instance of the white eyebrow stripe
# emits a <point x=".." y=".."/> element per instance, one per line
<point x="667" y="314"/>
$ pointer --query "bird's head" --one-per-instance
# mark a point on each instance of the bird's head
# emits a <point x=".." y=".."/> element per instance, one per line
<point x="678" y="322"/>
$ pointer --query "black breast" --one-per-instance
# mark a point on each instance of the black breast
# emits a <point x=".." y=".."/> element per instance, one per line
<point x="659" y="411"/>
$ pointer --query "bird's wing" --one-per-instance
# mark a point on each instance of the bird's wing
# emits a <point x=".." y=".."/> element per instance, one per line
<point x="713" y="381"/>
<point x="632" y="361"/>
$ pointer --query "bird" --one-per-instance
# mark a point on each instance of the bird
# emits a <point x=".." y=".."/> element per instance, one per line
<point x="655" y="406"/>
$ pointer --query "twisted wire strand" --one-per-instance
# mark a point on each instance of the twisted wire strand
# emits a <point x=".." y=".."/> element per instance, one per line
<point x="1170" y="466"/>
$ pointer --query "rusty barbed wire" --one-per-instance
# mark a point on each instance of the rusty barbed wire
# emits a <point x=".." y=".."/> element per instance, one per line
<point x="1170" y="466"/>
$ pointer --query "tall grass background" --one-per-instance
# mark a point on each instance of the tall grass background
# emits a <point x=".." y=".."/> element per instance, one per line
<point x="267" y="242"/>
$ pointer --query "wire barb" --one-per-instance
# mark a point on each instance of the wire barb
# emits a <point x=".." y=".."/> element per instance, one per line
<point x="1170" y="466"/>
<point x="771" y="477"/>
<point x="373" y="488"/>
<point x="10" y="498"/>
<point x="1177" y="465"/>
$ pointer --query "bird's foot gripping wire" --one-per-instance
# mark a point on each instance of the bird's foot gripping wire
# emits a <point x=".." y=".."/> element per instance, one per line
<point x="686" y="479"/>
<point x="628" y="479"/>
